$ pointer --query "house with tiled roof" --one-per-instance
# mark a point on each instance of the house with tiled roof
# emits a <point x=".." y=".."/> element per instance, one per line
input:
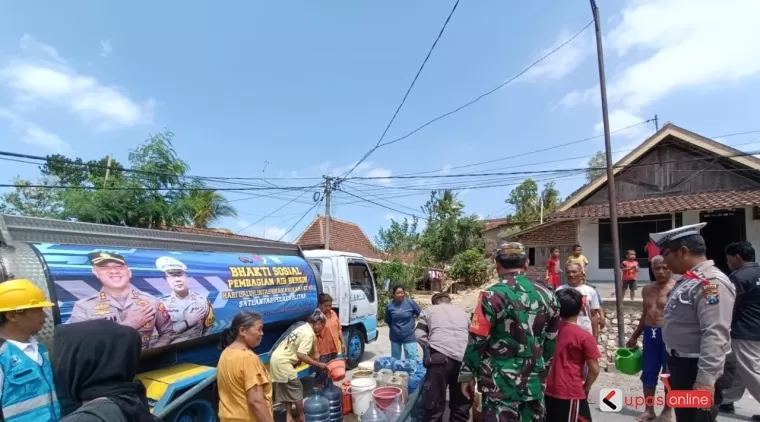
<point x="493" y="233"/>
<point x="344" y="236"/>
<point x="675" y="177"/>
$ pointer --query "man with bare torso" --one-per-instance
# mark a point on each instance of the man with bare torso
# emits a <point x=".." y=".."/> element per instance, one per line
<point x="655" y="359"/>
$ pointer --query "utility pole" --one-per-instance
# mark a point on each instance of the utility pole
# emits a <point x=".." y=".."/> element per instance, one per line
<point x="656" y="123"/>
<point x="328" y="203"/>
<point x="612" y="194"/>
<point x="108" y="169"/>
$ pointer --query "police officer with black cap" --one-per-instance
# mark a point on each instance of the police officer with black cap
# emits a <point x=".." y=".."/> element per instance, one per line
<point x="697" y="320"/>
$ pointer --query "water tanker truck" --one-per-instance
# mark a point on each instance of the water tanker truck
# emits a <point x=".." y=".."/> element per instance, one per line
<point x="190" y="286"/>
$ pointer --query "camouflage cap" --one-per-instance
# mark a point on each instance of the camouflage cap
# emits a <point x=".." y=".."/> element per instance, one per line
<point x="511" y="249"/>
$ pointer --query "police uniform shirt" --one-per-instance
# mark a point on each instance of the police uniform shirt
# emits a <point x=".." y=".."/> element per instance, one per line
<point x="179" y="308"/>
<point x="103" y="306"/>
<point x="746" y="321"/>
<point x="698" y="319"/>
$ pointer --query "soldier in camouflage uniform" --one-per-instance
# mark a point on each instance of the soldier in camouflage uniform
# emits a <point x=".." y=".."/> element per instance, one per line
<point x="511" y="342"/>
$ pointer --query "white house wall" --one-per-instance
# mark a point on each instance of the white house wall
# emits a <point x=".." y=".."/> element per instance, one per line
<point x="588" y="237"/>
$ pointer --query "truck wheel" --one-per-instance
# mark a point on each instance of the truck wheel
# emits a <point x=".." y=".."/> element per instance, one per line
<point x="194" y="411"/>
<point x="355" y="344"/>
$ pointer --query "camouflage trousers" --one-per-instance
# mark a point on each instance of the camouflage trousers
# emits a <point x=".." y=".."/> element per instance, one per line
<point x="495" y="410"/>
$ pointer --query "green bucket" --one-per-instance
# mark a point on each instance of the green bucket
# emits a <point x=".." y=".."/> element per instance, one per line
<point x="628" y="361"/>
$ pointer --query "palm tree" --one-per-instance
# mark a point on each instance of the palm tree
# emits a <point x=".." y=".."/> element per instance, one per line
<point x="207" y="206"/>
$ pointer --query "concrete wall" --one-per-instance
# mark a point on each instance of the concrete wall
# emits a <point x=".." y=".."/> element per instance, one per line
<point x="588" y="237"/>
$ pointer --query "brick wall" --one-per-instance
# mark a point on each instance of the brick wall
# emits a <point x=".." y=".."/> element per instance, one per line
<point x="551" y="234"/>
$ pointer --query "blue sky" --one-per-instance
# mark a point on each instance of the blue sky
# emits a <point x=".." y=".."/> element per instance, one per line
<point x="309" y="86"/>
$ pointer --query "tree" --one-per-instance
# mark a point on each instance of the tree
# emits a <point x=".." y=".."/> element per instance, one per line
<point x="525" y="200"/>
<point x="399" y="237"/>
<point x="596" y="166"/>
<point x="448" y="231"/>
<point x="208" y="206"/>
<point x="32" y="202"/>
<point x="155" y="193"/>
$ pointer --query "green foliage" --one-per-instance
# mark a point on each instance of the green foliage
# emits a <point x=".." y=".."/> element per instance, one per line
<point x="155" y="194"/>
<point x="470" y="267"/>
<point x="597" y="165"/>
<point x="525" y="200"/>
<point x="399" y="237"/>
<point x="449" y="231"/>
<point x="399" y="274"/>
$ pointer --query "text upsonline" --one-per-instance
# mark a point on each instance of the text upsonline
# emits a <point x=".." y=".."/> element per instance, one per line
<point x="613" y="399"/>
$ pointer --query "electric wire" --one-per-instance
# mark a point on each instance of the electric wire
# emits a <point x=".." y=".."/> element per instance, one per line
<point x="299" y="220"/>
<point x="273" y="212"/>
<point x="409" y="90"/>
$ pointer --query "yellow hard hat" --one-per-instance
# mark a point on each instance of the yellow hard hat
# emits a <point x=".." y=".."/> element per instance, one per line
<point x="16" y="295"/>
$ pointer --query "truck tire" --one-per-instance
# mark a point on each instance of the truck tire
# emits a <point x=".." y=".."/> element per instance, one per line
<point x="200" y="408"/>
<point x="355" y="340"/>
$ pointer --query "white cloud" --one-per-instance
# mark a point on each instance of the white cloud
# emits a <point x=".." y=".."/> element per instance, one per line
<point x="391" y="217"/>
<point x="619" y="119"/>
<point x="35" y="135"/>
<point x="678" y="45"/>
<point x="37" y="49"/>
<point x="446" y="169"/>
<point x="565" y="60"/>
<point x="576" y="98"/>
<point x="48" y="81"/>
<point x="264" y="231"/>
<point x="105" y="48"/>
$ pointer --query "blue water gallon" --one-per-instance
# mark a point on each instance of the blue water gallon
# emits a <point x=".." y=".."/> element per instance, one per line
<point x="408" y="366"/>
<point x="385" y="362"/>
<point x="334" y="396"/>
<point x="316" y="408"/>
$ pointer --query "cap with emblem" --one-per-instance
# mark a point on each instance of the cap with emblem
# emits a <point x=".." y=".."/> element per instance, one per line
<point x="511" y="249"/>
<point x="167" y="264"/>
<point x="100" y="258"/>
<point x="663" y="238"/>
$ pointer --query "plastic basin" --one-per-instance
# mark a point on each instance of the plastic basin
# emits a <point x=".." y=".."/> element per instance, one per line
<point x="336" y="368"/>
<point x="628" y="361"/>
<point x="384" y="396"/>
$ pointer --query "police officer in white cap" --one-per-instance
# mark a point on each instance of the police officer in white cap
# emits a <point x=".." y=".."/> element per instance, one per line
<point x="697" y="318"/>
<point x="192" y="314"/>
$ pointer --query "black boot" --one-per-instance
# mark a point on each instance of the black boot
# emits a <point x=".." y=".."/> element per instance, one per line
<point x="726" y="408"/>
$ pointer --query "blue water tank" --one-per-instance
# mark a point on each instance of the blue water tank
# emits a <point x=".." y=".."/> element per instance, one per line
<point x="316" y="408"/>
<point x="334" y="395"/>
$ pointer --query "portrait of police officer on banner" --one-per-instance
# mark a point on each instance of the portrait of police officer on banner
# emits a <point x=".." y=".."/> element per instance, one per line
<point x="121" y="302"/>
<point x="192" y="314"/>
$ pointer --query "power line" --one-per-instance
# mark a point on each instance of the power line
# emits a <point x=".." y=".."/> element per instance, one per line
<point x="378" y="204"/>
<point x="150" y="189"/>
<point x="403" y="101"/>
<point x="271" y="213"/>
<point x="299" y="220"/>
<point x="491" y="91"/>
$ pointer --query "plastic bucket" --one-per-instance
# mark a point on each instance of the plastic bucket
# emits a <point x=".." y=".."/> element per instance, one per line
<point x="368" y="365"/>
<point x="361" y="394"/>
<point x="336" y="368"/>
<point x="628" y="361"/>
<point x="384" y="396"/>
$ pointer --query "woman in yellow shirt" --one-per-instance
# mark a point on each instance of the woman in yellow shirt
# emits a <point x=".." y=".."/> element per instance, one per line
<point x="245" y="388"/>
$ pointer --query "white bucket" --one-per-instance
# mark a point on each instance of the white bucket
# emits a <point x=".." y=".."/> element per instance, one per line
<point x="361" y="394"/>
<point x="368" y="365"/>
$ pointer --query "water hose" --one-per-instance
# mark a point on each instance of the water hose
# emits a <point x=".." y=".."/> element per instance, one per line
<point x="412" y="402"/>
<point x="186" y="396"/>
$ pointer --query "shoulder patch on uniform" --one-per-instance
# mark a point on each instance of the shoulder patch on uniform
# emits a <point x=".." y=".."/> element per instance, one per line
<point x="480" y="325"/>
<point x="711" y="293"/>
<point x="210" y="319"/>
<point x="164" y="312"/>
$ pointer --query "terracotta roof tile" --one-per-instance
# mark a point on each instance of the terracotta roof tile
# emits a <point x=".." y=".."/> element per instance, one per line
<point x="667" y="204"/>
<point x="495" y="222"/>
<point x="215" y="232"/>
<point x="344" y="236"/>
